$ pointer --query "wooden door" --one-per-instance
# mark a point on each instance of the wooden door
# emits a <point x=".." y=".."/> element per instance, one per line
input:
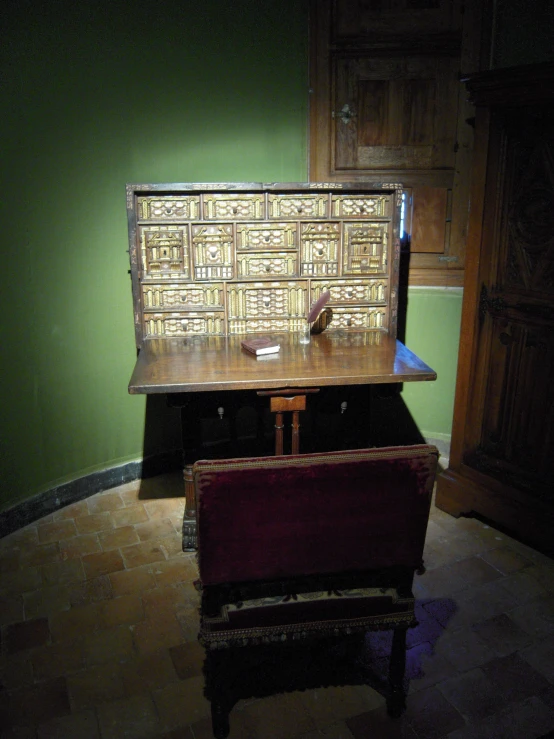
<point x="501" y="458"/>
<point x="387" y="106"/>
<point x="510" y="432"/>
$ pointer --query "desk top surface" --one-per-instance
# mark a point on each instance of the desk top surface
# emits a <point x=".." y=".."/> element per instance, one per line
<point x="208" y="363"/>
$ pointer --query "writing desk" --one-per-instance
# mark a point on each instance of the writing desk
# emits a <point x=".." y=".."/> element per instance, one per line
<point x="213" y="262"/>
<point x="217" y="363"/>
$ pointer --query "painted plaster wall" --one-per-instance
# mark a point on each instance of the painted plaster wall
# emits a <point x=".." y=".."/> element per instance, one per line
<point x="95" y="95"/>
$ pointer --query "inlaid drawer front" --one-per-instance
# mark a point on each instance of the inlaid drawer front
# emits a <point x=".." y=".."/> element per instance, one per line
<point x="169" y="207"/>
<point x="361" y="317"/>
<point x="213" y="251"/>
<point x="165" y="251"/>
<point x="365" y="248"/>
<point x="183" y="324"/>
<point x="352" y="292"/>
<point x="263" y="326"/>
<point x="267" y="264"/>
<point x="319" y="248"/>
<point x="361" y="206"/>
<point x="258" y="236"/>
<point x="182" y="297"/>
<point x="267" y="300"/>
<point x="298" y="206"/>
<point x="233" y="206"/>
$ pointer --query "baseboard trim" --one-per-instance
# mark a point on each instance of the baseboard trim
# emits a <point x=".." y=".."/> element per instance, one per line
<point x="50" y="501"/>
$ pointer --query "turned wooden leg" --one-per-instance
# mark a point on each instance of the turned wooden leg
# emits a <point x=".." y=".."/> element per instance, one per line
<point x="295" y="432"/>
<point x="396" y="702"/>
<point x="189" y="519"/>
<point x="279" y="426"/>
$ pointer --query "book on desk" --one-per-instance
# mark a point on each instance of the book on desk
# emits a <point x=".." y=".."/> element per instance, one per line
<point x="260" y="345"/>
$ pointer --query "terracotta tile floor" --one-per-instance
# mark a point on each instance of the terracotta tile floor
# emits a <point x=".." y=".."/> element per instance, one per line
<point x="99" y="620"/>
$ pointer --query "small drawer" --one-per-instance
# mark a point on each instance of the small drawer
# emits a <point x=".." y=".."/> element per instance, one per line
<point x="258" y="236"/>
<point x="168" y="208"/>
<point x="164" y="252"/>
<point x="365" y="248"/>
<point x="235" y="207"/>
<point x="319" y="249"/>
<point x="184" y="324"/>
<point x="355" y="318"/>
<point x="213" y="251"/>
<point x="182" y="297"/>
<point x="262" y="326"/>
<point x="267" y="264"/>
<point x="361" y="206"/>
<point x="267" y="301"/>
<point x="352" y="292"/>
<point x="298" y="206"/>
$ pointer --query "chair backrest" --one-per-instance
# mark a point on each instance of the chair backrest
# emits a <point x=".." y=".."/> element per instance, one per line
<point x="281" y="517"/>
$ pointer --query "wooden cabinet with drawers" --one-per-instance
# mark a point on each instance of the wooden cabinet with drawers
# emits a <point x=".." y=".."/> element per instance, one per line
<point x="230" y="259"/>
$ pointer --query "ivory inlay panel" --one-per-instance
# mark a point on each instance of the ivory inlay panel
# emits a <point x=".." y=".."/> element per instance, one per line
<point x="181" y="324"/>
<point x="213" y="251"/>
<point x="233" y="206"/>
<point x="298" y="206"/>
<point x="348" y="292"/>
<point x="165" y="251"/>
<point x="168" y="207"/>
<point x="266" y="264"/>
<point x="267" y="236"/>
<point x="320" y="248"/>
<point x="182" y="297"/>
<point x="365" y="248"/>
<point x="360" y="206"/>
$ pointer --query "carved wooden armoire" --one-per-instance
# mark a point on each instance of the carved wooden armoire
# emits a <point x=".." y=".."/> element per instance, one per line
<point x="502" y="452"/>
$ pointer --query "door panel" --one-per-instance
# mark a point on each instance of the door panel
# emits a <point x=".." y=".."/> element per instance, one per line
<point x="396" y="113"/>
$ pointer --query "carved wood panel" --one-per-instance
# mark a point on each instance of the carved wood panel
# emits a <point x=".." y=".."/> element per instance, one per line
<point x="402" y="113"/>
<point x="501" y="461"/>
<point x="516" y="341"/>
<point x="517" y="433"/>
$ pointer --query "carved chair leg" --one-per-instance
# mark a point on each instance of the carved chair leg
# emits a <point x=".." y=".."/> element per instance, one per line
<point x="189" y="519"/>
<point x="220" y="720"/>
<point x="396" y="702"/>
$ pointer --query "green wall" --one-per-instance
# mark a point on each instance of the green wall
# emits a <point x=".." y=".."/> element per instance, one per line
<point x="95" y="95"/>
<point x="433" y="332"/>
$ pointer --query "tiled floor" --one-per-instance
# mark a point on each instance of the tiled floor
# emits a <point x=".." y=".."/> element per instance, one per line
<point x="99" y="622"/>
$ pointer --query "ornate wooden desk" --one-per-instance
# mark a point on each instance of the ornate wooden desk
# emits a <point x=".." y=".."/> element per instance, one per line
<point x="211" y="263"/>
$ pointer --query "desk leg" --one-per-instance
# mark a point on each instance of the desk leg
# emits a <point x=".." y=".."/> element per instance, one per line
<point x="295" y="432"/>
<point x="189" y="519"/>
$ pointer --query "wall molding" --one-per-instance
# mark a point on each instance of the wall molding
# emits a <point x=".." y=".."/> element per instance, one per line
<point x="50" y="501"/>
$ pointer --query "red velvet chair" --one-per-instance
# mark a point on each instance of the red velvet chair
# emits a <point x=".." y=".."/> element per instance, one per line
<point x="294" y="548"/>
